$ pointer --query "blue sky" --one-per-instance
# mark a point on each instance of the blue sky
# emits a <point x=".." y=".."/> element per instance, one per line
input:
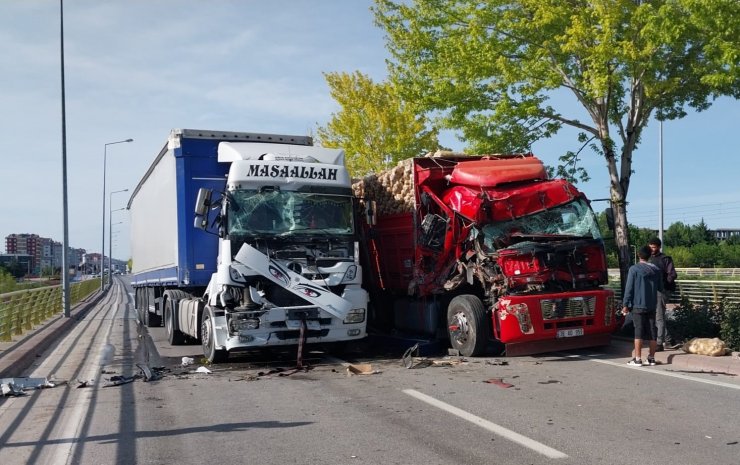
<point x="137" y="69"/>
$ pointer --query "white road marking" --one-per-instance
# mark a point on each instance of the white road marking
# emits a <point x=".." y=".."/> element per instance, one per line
<point x="595" y="358"/>
<point x="490" y="426"/>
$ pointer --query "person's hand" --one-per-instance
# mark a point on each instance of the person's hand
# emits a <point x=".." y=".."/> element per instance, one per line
<point x="625" y="310"/>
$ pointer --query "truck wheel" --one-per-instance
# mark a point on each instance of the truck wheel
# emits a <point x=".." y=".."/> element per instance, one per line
<point x="174" y="335"/>
<point x="466" y="325"/>
<point x="208" y="339"/>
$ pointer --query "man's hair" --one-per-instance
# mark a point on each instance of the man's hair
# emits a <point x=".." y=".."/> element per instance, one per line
<point x="654" y="241"/>
<point x="644" y="253"/>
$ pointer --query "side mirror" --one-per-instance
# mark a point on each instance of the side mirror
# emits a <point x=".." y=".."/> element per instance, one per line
<point x="203" y="201"/>
<point x="371" y="210"/>
<point x="202" y="205"/>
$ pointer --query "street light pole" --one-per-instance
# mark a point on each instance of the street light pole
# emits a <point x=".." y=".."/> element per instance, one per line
<point x="110" y="235"/>
<point x="65" y="213"/>
<point x="102" y="246"/>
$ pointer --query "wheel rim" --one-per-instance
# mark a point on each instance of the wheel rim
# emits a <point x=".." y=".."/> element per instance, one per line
<point x="168" y="319"/>
<point x="459" y="328"/>
<point x="206" y="333"/>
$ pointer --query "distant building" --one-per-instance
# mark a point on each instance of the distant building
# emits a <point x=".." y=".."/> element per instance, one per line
<point x="724" y="234"/>
<point x="26" y="244"/>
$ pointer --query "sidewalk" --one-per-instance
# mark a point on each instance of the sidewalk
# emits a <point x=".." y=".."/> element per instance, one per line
<point x="17" y="355"/>
<point x="680" y="360"/>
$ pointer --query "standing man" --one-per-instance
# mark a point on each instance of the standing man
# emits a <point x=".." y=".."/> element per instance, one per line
<point x="668" y="273"/>
<point x="640" y="297"/>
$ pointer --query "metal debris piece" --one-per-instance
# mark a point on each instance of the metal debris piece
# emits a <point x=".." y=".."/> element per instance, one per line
<point x="498" y="382"/>
<point x="203" y="370"/>
<point x="408" y="356"/>
<point x="24" y="384"/>
<point x="550" y="381"/>
<point x="361" y="369"/>
<point x="120" y="380"/>
<point x="11" y="390"/>
<point x="187" y="361"/>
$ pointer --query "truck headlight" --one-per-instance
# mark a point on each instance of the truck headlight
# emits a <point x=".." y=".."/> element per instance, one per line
<point x="350" y="274"/>
<point x="355" y="316"/>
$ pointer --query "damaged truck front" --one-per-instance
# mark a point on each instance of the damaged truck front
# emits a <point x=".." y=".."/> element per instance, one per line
<point x="491" y="249"/>
<point x="272" y="259"/>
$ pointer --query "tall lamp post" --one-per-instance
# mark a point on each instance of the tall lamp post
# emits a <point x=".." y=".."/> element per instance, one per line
<point x="65" y="208"/>
<point x="102" y="246"/>
<point x="110" y="235"/>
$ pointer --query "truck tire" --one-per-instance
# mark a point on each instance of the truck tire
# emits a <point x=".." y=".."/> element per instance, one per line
<point x="466" y="325"/>
<point x="174" y="335"/>
<point x="208" y="339"/>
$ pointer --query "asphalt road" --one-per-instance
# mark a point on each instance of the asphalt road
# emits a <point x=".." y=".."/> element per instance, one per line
<point x="575" y="408"/>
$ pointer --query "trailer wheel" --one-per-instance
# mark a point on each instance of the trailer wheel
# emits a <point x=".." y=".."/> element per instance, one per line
<point x="208" y="339"/>
<point x="174" y="335"/>
<point x="466" y="325"/>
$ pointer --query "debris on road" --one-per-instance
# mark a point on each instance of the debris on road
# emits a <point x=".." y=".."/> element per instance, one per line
<point x="120" y="380"/>
<point x="408" y="357"/>
<point x="14" y="387"/>
<point x="706" y="372"/>
<point x="497" y="362"/>
<point x="361" y="369"/>
<point x="187" y="361"/>
<point x="550" y="381"/>
<point x="498" y="382"/>
<point x="203" y="370"/>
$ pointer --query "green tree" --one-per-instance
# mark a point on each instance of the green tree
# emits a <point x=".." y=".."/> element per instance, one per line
<point x="374" y="122"/>
<point x="678" y="235"/>
<point x="7" y="281"/>
<point x="489" y="67"/>
<point x="700" y="234"/>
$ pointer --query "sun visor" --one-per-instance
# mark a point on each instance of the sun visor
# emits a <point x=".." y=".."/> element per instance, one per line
<point x="234" y="151"/>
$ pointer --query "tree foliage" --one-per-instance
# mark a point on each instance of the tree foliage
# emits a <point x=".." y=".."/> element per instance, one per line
<point x="490" y="67"/>
<point x="374" y="123"/>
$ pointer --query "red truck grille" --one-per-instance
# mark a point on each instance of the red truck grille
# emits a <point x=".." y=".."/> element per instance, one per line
<point x="567" y="308"/>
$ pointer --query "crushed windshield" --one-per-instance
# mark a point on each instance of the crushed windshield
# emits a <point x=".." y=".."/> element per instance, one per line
<point x="280" y="212"/>
<point x="575" y="219"/>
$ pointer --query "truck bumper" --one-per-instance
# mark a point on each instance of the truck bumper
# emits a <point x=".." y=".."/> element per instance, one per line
<point x="514" y="349"/>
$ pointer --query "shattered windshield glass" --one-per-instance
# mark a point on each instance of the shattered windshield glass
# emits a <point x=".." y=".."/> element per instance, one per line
<point x="575" y="219"/>
<point x="279" y="213"/>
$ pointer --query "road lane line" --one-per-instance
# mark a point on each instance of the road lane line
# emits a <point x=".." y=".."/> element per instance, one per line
<point x="595" y="358"/>
<point x="490" y="426"/>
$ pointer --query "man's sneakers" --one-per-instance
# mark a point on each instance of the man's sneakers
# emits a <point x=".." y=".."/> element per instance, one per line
<point x="636" y="362"/>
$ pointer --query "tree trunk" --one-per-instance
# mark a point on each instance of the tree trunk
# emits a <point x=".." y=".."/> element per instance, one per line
<point x="621" y="237"/>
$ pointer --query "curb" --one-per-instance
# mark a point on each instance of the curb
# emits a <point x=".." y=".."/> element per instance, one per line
<point x="16" y="358"/>
<point x="680" y="360"/>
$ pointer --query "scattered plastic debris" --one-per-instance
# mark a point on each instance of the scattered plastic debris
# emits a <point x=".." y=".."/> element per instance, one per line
<point x="187" y="361"/>
<point x="361" y="369"/>
<point x="497" y="362"/>
<point x="203" y="370"/>
<point x="498" y="382"/>
<point x="550" y="381"/>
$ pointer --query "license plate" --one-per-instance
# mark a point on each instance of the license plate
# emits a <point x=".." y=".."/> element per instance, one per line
<point x="570" y="332"/>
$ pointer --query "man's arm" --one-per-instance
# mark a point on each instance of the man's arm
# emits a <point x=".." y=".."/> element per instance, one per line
<point x="628" y="290"/>
<point x="670" y="270"/>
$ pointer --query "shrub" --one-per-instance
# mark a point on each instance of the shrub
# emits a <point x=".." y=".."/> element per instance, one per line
<point x="730" y="326"/>
<point x="695" y="320"/>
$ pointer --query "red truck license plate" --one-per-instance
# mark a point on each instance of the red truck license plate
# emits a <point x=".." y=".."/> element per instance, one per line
<point x="572" y="332"/>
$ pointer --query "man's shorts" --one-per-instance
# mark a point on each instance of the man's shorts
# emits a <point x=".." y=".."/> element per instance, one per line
<point x="645" y="328"/>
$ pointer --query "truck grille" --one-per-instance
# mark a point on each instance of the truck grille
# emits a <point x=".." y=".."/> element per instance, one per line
<point x="567" y="308"/>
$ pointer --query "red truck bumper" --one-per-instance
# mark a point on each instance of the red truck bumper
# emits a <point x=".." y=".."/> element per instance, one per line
<point x="529" y="324"/>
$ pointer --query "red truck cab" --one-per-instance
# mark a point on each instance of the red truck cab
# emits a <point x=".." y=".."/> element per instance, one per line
<point x="493" y="249"/>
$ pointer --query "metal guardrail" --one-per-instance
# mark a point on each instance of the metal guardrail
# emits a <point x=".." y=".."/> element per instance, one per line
<point x="20" y="311"/>
<point x="696" y="291"/>
<point x="695" y="272"/>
